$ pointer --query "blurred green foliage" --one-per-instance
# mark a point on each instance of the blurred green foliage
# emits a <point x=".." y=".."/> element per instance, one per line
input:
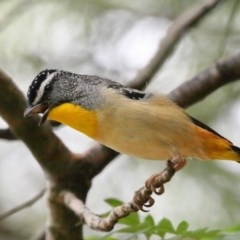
<point x="134" y="228"/>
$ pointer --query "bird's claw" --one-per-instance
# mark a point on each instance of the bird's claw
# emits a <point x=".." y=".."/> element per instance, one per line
<point x="176" y="163"/>
<point x="142" y="198"/>
<point x="153" y="184"/>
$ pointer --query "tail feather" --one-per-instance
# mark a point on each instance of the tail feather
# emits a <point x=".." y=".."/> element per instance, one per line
<point x="237" y="150"/>
<point x="204" y="126"/>
<point x="215" y="145"/>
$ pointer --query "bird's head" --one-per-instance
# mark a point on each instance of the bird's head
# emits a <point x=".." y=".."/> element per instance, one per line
<point x="53" y="88"/>
<point x="39" y="92"/>
<point x="50" y="88"/>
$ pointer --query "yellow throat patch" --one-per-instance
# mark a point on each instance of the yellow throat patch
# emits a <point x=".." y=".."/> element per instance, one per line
<point x="75" y="116"/>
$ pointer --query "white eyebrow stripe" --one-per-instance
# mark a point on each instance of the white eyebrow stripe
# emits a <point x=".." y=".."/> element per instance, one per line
<point x="42" y="86"/>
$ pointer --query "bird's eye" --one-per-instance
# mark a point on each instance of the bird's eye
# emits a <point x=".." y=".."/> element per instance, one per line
<point x="47" y="87"/>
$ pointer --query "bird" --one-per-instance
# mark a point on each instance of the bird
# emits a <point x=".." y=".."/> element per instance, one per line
<point x="141" y="124"/>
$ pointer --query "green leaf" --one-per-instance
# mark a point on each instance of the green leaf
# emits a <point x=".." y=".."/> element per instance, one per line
<point x="149" y="221"/>
<point x="130" y="220"/>
<point x="233" y="229"/>
<point x="131" y="229"/>
<point x="202" y="234"/>
<point x="113" y="202"/>
<point x="163" y="227"/>
<point x="182" y="227"/>
<point x="231" y="236"/>
<point x="147" y="227"/>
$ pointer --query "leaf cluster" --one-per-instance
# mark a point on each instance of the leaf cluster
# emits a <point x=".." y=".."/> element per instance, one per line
<point x="134" y="227"/>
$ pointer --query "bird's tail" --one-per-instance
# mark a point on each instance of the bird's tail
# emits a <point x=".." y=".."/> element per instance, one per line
<point x="236" y="150"/>
<point x="224" y="150"/>
<point x="215" y="145"/>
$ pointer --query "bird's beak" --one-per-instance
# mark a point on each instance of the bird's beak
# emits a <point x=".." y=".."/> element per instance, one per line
<point x="39" y="108"/>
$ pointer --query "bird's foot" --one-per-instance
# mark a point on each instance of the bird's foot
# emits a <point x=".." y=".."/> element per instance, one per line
<point x="177" y="162"/>
<point x="142" y="198"/>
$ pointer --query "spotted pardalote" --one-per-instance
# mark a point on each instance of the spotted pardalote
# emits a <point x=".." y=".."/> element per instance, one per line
<point x="139" y="124"/>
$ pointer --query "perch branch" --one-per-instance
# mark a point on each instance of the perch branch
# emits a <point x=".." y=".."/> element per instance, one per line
<point x="207" y="81"/>
<point x="22" y="206"/>
<point x="142" y="198"/>
<point x="176" y="31"/>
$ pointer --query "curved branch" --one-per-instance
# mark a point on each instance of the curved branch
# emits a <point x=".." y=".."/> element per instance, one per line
<point x="176" y="31"/>
<point x="207" y="81"/>
<point x="142" y="198"/>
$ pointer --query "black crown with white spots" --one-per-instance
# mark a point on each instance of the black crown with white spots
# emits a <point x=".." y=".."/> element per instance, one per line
<point x="36" y="83"/>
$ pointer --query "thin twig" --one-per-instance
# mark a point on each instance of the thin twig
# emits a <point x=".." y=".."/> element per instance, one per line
<point x="142" y="198"/>
<point x="91" y="219"/>
<point x="22" y="206"/>
<point x="176" y="31"/>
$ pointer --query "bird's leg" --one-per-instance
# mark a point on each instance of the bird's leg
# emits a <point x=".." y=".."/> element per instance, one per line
<point x="177" y="161"/>
<point x="142" y="198"/>
<point x="156" y="181"/>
